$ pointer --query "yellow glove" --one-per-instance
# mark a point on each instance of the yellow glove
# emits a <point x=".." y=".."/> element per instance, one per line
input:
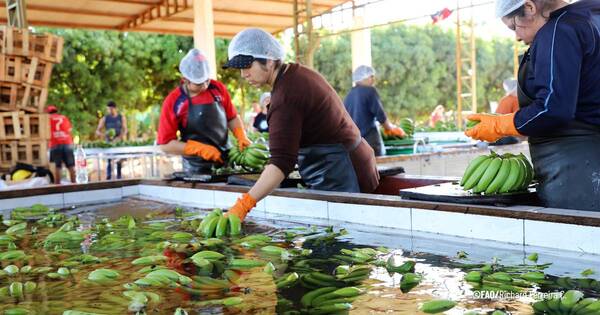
<point x="205" y="151"/>
<point x="242" y="206"/>
<point x="242" y="139"/>
<point x="492" y="127"/>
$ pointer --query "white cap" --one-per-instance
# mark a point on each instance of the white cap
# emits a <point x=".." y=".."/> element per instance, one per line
<point x="194" y="67"/>
<point x="264" y="96"/>
<point x="256" y="43"/>
<point x="362" y="72"/>
<point x="510" y="85"/>
<point x="505" y="7"/>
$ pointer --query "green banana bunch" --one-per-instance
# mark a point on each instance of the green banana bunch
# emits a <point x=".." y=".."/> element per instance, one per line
<point x="572" y="302"/>
<point x="287" y="280"/>
<point x="493" y="174"/>
<point x="314" y="280"/>
<point x="335" y="297"/>
<point x="408" y="126"/>
<point x="13" y="255"/>
<point x="215" y="224"/>
<point x="437" y="306"/>
<point x="103" y="275"/>
<point x="254" y="157"/>
<point x="356" y="273"/>
<point x="149" y="260"/>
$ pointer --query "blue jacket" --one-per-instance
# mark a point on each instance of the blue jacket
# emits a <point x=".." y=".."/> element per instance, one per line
<point x="563" y="77"/>
<point x="364" y="106"/>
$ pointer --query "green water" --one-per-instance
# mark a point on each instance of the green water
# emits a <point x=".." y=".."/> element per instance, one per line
<point x="114" y="236"/>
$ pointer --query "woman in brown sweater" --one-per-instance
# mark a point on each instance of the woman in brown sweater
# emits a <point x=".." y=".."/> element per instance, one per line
<point x="308" y="124"/>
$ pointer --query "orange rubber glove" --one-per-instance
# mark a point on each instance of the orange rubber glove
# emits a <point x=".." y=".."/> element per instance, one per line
<point x="492" y="127"/>
<point x="242" y="206"/>
<point x="396" y="131"/>
<point x="242" y="139"/>
<point x="205" y="151"/>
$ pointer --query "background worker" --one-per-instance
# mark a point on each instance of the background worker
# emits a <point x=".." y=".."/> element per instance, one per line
<point x="509" y="103"/>
<point x="559" y="98"/>
<point x="437" y="115"/>
<point x="260" y="123"/>
<point x="61" y="144"/>
<point x="307" y="124"/>
<point x="202" y="111"/>
<point x="115" y="128"/>
<point x="364" y="106"/>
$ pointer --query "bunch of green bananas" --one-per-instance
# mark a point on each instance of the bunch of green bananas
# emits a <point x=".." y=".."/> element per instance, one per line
<point x="217" y="225"/>
<point x="328" y="300"/>
<point x="493" y="174"/>
<point x="572" y="302"/>
<point x="408" y="126"/>
<point x="254" y="157"/>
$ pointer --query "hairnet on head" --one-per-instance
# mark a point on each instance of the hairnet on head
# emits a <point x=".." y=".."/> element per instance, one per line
<point x="362" y="72"/>
<point x="263" y="97"/>
<point x="256" y="43"/>
<point x="504" y="7"/>
<point x="509" y="85"/>
<point x="194" y="67"/>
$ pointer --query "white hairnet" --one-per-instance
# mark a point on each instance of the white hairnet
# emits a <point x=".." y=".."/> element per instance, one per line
<point x="504" y="7"/>
<point x="263" y="97"/>
<point x="194" y="66"/>
<point x="510" y="85"/>
<point x="256" y="43"/>
<point x="362" y="72"/>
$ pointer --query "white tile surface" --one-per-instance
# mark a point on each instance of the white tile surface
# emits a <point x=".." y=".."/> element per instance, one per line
<point x="296" y="207"/>
<point x="225" y="199"/>
<point x="563" y="236"/>
<point x="152" y="191"/>
<point x="131" y="190"/>
<point x="195" y="197"/>
<point x="371" y="215"/>
<point x="92" y="196"/>
<point x="48" y="200"/>
<point x="468" y="225"/>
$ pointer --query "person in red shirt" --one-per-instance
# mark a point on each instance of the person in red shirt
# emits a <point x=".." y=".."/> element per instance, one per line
<point x="61" y="144"/>
<point x="202" y="111"/>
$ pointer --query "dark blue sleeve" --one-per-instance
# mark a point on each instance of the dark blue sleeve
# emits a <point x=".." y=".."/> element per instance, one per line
<point x="557" y="67"/>
<point x="376" y="107"/>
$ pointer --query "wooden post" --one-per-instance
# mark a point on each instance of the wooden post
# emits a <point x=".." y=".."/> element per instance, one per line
<point x="204" y="32"/>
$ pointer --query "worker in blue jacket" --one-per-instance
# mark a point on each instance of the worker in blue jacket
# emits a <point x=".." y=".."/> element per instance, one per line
<point x="364" y="106"/>
<point x="559" y="98"/>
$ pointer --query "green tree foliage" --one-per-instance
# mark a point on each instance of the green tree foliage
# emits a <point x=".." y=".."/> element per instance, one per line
<point x="133" y="69"/>
<point x="416" y="68"/>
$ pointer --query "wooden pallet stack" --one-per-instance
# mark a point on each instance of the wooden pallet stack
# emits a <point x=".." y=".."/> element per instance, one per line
<point x="26" y="61"/>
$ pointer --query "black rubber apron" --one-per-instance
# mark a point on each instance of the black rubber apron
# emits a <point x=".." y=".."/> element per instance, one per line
<point x="566" y="161"/>
<point x="328" y="167"/>
<point x="206" y="123"/>
<point x="374" y="139"/>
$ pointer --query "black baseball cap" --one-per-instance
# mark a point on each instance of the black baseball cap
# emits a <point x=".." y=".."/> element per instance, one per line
<point x="239" y="62"/>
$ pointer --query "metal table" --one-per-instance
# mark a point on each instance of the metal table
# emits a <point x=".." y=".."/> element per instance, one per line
<point x="146" y="152"/>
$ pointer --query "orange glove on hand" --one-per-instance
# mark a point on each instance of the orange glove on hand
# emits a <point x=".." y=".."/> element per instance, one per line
<point x="396" y="131"/>
<point x="240" y="135"/>
<point x="205" y="151"/>
<point x="242" y="206"/>
<point x="492" y="127"/>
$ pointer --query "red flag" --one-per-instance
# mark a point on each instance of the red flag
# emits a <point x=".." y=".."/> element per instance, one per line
<point x="441" y="15"/>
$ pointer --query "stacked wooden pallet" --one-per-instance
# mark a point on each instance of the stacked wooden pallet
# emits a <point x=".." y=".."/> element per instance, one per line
<point x="26" y="61"/>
